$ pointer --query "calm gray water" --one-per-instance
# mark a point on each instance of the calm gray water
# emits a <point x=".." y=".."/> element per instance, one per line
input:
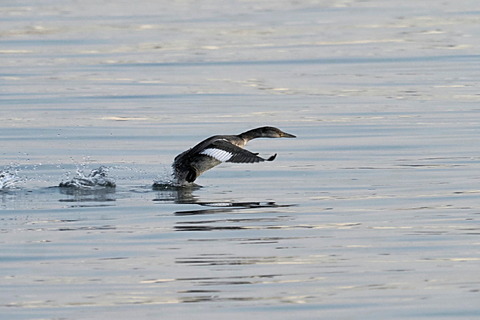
<point x="371" y="213"/>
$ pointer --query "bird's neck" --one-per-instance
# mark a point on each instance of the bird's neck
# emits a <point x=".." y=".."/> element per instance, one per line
<point x="250" y="134"/>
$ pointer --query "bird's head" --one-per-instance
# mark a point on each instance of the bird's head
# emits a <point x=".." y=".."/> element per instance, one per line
<point x="272" y="132"/>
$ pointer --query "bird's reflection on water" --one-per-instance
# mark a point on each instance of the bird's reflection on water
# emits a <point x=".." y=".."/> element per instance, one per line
<point x="167" y="192"/>
<point x="227" y="212"/>
<point x="223" y="207"/>
<point x="164" y="194"/>
<point x="228" y="222"/>
<point x="183" y="195"/>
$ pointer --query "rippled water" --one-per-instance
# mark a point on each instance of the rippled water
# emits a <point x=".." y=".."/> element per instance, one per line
<point x="372" y="212"/>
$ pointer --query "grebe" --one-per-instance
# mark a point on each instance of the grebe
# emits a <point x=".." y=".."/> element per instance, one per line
<point x="190" y="164"/>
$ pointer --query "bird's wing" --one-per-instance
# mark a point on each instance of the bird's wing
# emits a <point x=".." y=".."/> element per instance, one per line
<point x="224" y="151"/>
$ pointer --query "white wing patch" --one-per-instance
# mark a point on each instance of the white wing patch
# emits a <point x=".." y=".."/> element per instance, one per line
<point x="219" y="154"/>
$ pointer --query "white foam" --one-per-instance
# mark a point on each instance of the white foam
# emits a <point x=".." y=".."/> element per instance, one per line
<point x="7" y="180"/>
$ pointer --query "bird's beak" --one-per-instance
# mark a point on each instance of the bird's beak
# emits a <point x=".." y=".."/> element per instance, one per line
<point x="287" y="135"/>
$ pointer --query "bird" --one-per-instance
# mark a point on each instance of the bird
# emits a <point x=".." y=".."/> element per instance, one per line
<point x="190" y="164"/>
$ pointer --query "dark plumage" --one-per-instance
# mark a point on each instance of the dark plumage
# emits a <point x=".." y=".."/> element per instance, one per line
<point x="190" y="164"/>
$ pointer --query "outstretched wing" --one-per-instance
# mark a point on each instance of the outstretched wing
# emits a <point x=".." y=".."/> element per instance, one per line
<point x="224" y="151"/>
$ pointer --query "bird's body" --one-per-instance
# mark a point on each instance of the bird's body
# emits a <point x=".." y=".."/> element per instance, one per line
<point x="190" y="164"/>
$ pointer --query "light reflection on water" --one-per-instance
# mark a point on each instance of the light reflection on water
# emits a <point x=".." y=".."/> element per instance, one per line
<point x="261" y="252"/>
<point x="319" y="246"/>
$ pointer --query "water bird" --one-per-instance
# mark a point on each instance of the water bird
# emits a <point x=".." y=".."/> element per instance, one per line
<point x="190" y="164"/>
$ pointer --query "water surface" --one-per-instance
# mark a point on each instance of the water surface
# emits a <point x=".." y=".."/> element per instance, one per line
<point x="371" y="212"/>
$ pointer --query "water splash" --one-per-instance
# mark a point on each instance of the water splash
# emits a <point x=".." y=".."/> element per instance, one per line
<point x="8" y="180"/>
<point x="165" y="181"/>
<point x="96" y="179"/>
